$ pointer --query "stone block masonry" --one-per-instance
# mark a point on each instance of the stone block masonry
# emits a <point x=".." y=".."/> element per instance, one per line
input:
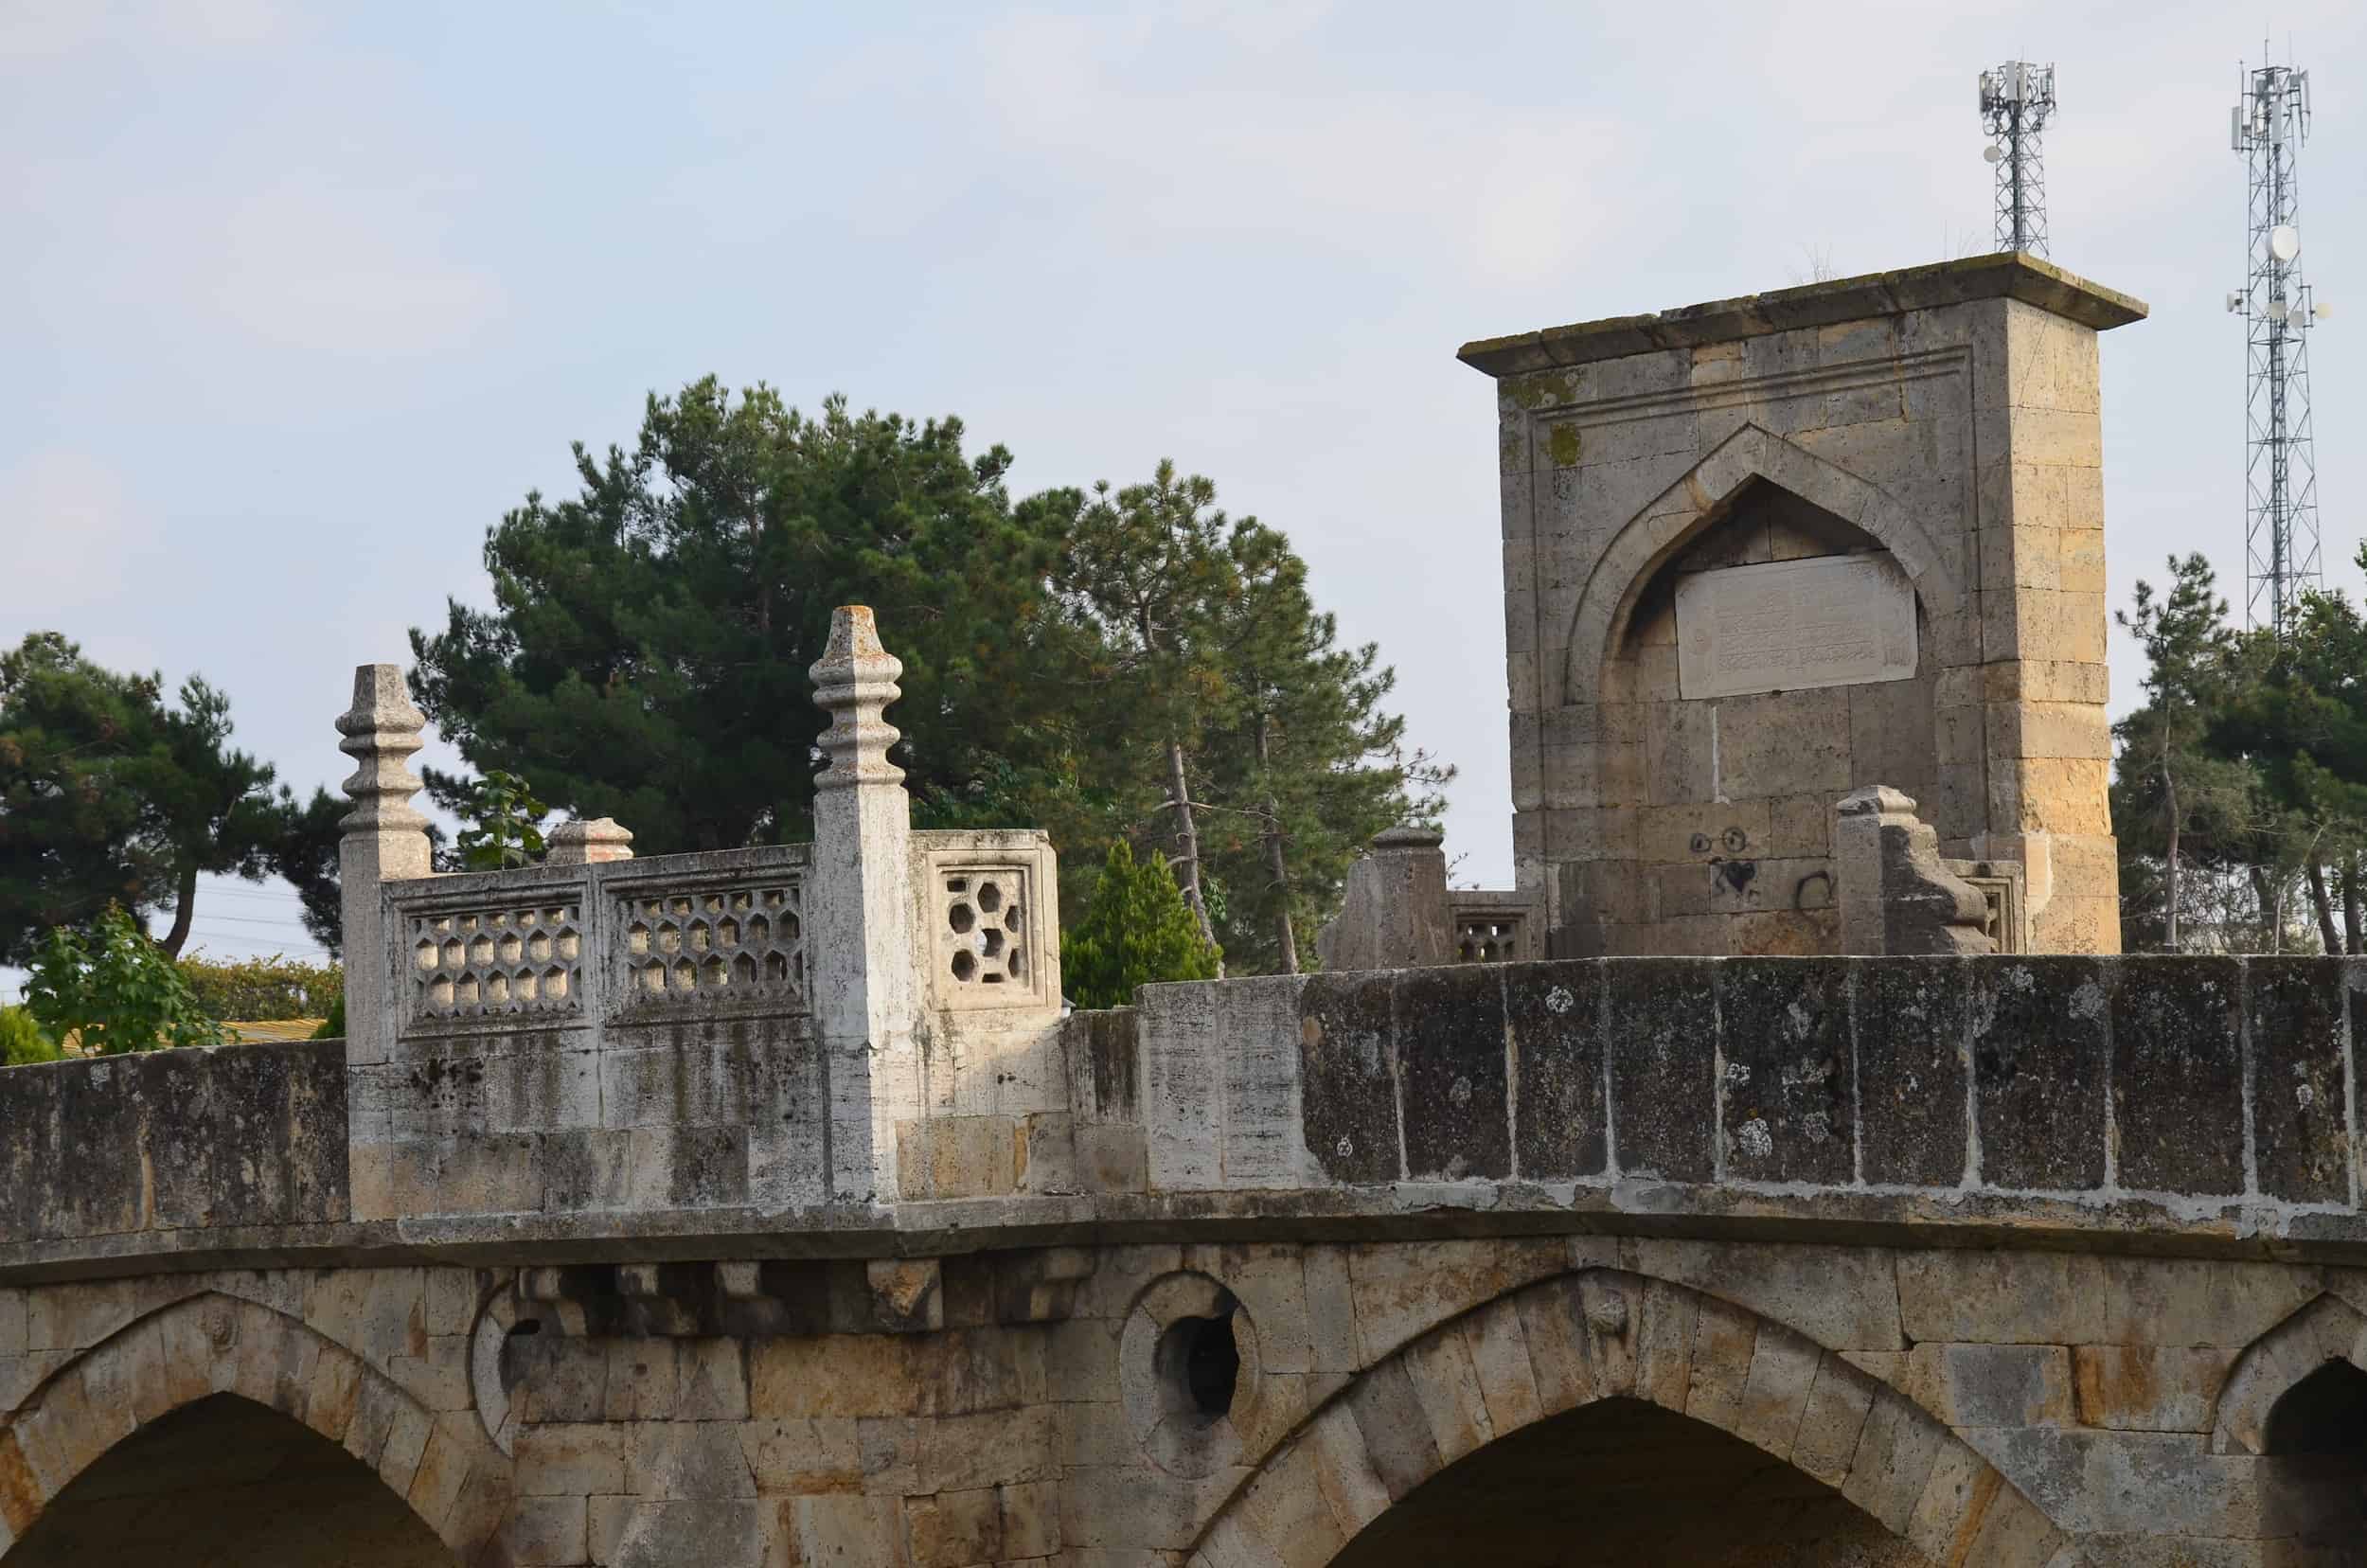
<point x="1763" y="552"/>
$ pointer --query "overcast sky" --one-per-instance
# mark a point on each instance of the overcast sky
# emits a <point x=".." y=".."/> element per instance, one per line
<point x="294" y="301"/>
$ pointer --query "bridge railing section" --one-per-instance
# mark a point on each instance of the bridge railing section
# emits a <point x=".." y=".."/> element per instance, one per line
<point x="777" y="1026"/>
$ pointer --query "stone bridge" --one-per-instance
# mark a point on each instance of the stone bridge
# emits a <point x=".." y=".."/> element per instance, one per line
<point x="769" y="1208"/>
<point x="766" y="1208"/>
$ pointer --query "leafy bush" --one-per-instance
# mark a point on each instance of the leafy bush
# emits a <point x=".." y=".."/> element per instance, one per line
<point x="333" y="1026"/>
<point x="22" y="1042"/>
<point x="115" y="990"/>
<point x="259" y="988"/>
<point x="505" y="824"/>
<point x="1137" y="929"/>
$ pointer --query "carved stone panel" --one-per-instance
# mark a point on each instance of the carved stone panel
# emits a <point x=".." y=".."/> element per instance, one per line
<point x="1790" y="625"/>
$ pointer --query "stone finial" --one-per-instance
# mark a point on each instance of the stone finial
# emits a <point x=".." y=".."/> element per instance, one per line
<point x="1896" y="894"/>
<point x="380" y="731"/>
<point x="861" y="950"/>
<point x="593" y="842"/>
<point x="1394" y="912"/>
<point x="854" y="681"/>
<point x="384" y="841"/>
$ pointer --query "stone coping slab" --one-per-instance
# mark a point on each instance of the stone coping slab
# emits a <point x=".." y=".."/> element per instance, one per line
<point x="2007" y="275"/>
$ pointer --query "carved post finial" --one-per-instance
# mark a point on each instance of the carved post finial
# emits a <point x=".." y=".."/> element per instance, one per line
<point x="854" y="681"/>
<point x="384" y="840"/>
<point x="593" y="842"/>
<point x="380" y="731"/>
<point x="1896" y="894"/>
<point x="862" y="953"/>
<point x="1394" y="913"/>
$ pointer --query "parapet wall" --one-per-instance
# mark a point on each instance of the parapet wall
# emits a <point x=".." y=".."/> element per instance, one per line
<point x="2194" y="1103"/>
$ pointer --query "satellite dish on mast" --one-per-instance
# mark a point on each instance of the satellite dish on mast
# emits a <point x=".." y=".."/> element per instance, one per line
<point x="2285" y="241"/>
<point x="1993" y="153"/>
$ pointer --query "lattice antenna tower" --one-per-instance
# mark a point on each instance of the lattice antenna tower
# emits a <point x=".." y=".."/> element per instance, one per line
<point x="2269" y="124"/>
<point x="2016" y="99"/>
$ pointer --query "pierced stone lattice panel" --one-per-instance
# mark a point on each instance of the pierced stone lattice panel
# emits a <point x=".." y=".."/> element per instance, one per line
<point x="1488" y="938"/>
<point x="497" y="963"/>
<point x="985" y="955"/>
<point x="745" y="942"/>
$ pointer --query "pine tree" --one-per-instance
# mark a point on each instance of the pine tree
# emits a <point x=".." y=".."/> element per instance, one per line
<point x="646" y="650"/>
<point x="2188" y="648"/>
<point x="110" y="797"/>
<point x="1136" y="931"/>
<point x="1257" y="747"/>
<point x="1307" y="765"/>
<point x="1140" y="571"/>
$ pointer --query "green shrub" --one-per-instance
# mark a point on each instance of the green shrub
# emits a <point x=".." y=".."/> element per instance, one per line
<point x="1136" y="929"/>
<point x="22" y="1041"/>
<point x="333" y="1026"/>
<point x="260" y="989"/>
<point x="115" y="990"/>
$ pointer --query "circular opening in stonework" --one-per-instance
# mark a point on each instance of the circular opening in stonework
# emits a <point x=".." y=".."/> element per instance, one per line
<point x="1199" y="1365"/>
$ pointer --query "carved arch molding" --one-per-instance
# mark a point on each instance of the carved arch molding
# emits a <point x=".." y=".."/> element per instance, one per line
<point x="1680" y="514"/>
<point x="1579" y="1340"/>
<point x="444" y="1470"/>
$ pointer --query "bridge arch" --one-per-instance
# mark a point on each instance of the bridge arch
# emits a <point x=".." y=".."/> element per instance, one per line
<point x="229" y="1367"/>
<point x="1605" y="1344"/>
<point x="2328" y="1333"/>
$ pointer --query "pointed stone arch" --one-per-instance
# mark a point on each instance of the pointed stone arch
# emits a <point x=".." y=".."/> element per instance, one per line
<point x="2327" y="1329"/>
<point x="1681" y="513"/>
<point x="1577" y="1340"/>
<point x="200" y="1346"/>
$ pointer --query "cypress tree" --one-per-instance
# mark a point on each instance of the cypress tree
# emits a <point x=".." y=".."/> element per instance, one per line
<point x="1136" y="931"/>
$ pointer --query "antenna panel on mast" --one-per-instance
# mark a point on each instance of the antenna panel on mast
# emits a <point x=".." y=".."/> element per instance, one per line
<point x="2268" y="126"/>
<point x="2016" y="99"/>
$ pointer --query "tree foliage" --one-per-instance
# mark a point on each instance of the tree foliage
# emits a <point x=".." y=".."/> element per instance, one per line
<point x="502" y="824"/>
<point x="115" y="990"/>
<point x="1258" y="753"/>
<point x="1109" y="665"/>
<point x="108" y="796"/>
<point x="646" y="654"/>
<point x="256" y="990"/>
<point x="22" y="1042"/>
<point x="1135" y="931"/>
<point x="2240" y="787"/>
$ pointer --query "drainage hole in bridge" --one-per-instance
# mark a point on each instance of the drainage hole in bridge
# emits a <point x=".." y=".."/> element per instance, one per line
<point x="1199" y="1365"/>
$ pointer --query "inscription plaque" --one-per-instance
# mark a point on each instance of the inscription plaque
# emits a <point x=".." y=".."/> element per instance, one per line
<point x="1788" y="625"/>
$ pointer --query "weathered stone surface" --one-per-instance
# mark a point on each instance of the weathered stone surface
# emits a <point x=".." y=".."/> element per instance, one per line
<point x="1896" y="894"/>
<point x="1555" y="1016"/>
<point x="2300" y="1118"/>
<point x="2177" y="1074"/>
<point x="1786" y="1090"/>
<point x="1785" y="625"/>
<point x="1659" y="1025"/>
<point x="1911" y="1043"/>
<point x="2148" y="1387"/>
<point x="1992" y="1385"/>
<point x="1450" y="1050"/>
<point x="1393" y="909"/>
<point x="2040" y="1053"/>
<point x="1346" y="1047"/>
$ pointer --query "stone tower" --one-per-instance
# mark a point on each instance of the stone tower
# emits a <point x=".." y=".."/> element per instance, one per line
<point x="1762" y="552"/>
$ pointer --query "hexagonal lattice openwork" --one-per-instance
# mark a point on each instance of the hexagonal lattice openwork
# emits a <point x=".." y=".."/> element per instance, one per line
<point x="740" y="941"/>
<point x="495" y="963"/>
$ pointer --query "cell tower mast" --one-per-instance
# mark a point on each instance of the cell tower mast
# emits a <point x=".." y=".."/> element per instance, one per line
<point x="2268" y="126"/>
<point x="2016" y="100"/>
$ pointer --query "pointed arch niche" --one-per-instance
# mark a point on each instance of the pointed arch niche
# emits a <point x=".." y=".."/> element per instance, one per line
<point x="1729" y="798"/>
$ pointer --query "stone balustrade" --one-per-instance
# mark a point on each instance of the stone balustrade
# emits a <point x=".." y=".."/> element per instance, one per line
<point x="2203" y="1100"/>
